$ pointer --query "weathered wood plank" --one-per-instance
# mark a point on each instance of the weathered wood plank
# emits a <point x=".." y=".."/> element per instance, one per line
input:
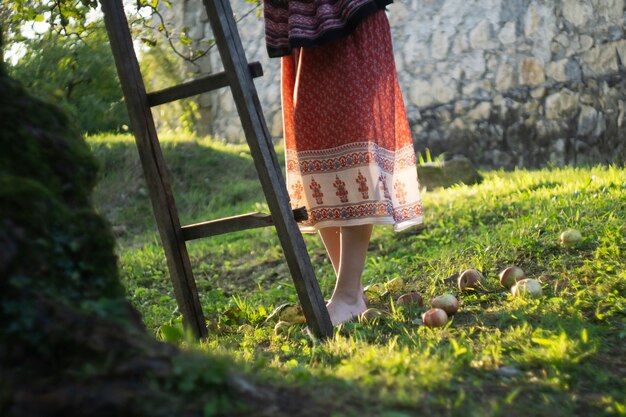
<point x="199" y="86"/>
<point x="155" y="171"/>
<point x="270" y="175"/>
<point x="234" y="224"/>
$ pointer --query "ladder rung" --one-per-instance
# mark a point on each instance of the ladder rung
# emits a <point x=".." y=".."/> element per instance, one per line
<point x="234" y="224"/>
<point x="199" y="86"/>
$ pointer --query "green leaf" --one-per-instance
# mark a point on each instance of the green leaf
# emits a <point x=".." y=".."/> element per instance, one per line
<point x="171" y="334"/>
<point x="584" y="336"/>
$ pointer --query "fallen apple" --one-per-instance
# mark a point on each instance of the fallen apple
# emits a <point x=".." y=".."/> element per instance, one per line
<point x="510" y="276"/>
<point x="411" y="298"/>
<point x="527" y="288"/>
<point x="570" y="238"/>
<point x="435" y="317"/>
<point x="374" y="290"/>
<point x="446" y="302"/>
<point x="395" y="285"/>
<point x="470" y="279"/>
<point x="245" y="328"/>
<point x="370" y="315"/>
<point x="281" y="327"/>
<point x="292" y="313"/>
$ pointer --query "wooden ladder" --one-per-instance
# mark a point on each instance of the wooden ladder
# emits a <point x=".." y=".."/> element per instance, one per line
<point x="238" y="76"/>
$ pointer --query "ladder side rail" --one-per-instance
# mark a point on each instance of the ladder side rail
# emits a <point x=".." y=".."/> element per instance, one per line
<point x="154" y="167"/>
<point x="273" y="183"/>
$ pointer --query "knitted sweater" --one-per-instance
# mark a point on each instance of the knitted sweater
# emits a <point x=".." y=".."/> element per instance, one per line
<point x="308" y="23"/>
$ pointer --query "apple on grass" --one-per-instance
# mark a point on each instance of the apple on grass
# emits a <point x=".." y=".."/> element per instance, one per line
<point x="292" y="313"/>
<point x="435" y="317"/>
<point x="395" y="285"/>
<point x="375" y="290"/>
<point x="281" y="327"/>
<point x="527" y="288"/>
<point x="411" y="298"/>
<point x="470" y="279"/>
<point x="446" y="302"/>
<point x="511" y="275"/>
<point x="370" y="315"/>
<point x="570" y="238"/>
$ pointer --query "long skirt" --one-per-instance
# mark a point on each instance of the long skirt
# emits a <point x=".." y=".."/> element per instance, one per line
<point x="349" y="153"/>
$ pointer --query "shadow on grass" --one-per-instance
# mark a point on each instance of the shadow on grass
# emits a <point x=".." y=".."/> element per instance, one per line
<point x="208" y="183"/>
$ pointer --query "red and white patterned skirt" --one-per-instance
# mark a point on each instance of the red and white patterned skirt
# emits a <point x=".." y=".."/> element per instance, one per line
<point x="349" y="153"/>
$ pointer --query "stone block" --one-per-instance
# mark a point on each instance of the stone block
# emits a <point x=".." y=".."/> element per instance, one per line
<point x="460" y="44"/>
<point x="587" y="120"/>
<point x="538" y="93"/>
<point x="479" y="90"/>
<point x="501" y="159"/>
<point x="505" y="77"/>
<point x="508" y="34"/>
<point x="557" y="152"/>
<point x="481" y="112"/>
<point x="601" y="59"/>
<point x="492" y="64"/>
<point x="419" y="93"/>
<point x="440" y="45"/>
<point x="612" y="11"/>
<point x="561" y="104"/>
<point x="458" y="124"/>
<point x="276" y="125"/>
<point x="443" y="115"/>
<point x="547" y="128"/>
<point x="474" y="64"/>
<point x="480" y="37"/>
<point x="531" y="72"/>
<point x="585" y="43"/>
<point x="563" y="39"/>
<point x="461" y="107"/>
<point x="564" y="70"/>
<point x="577" y="12"/>
<point x="422" y="93"/>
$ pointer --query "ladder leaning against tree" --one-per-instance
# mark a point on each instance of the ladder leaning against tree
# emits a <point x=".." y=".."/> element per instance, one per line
<point x="238" y="76"/>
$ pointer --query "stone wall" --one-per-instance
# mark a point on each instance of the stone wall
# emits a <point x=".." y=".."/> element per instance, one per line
<point x="505" y="82"/>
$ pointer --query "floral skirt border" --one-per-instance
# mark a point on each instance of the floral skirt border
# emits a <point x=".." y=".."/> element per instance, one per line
<point x="358" y="183"/>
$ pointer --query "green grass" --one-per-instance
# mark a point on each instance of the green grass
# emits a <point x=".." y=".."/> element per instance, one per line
<point x="561" y="355"/>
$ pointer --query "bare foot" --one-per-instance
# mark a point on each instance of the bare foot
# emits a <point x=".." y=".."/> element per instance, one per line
<point x="341" y="310"/>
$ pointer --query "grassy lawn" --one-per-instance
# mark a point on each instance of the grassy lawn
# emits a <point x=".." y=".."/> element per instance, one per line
<point x="560" y="355"/>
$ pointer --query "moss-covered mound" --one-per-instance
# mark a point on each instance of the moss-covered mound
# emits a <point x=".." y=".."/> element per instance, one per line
<point x="70" y="344"/>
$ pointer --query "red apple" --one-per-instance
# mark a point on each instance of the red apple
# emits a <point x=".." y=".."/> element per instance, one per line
<point x="446" y="302"/>
<point x="435" y="317"/>
<point x="470" y="278"/>
<point x="411" y="298"/>
<point x="510" y="276"/>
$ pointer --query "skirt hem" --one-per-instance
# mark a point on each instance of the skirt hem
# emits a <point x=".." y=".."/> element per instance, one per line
<point x="397" y="227"/>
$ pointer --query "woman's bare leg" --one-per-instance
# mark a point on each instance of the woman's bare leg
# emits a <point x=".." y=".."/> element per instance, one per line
<point x="331" y="238"/>
<point x="347" y="300"/>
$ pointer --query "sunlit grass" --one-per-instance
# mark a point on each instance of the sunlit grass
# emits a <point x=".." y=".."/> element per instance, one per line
<point x="561" y="355"/>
